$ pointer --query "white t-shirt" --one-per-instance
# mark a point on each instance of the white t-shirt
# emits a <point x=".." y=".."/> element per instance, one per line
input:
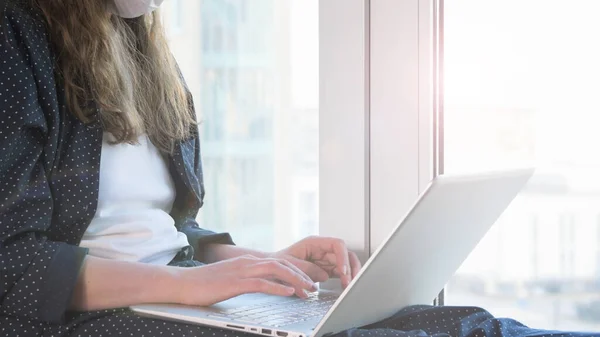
<point x="136" y="195"/>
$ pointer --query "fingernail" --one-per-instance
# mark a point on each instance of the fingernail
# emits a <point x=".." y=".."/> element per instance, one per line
<point x="291" y="290"/>
<point x="315" y="287"/>
<point x="345" y="270"/>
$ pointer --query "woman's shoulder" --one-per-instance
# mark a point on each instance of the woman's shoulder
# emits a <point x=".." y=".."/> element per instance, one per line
<point x="22" y="22"/>
<point x="26" y="65"/>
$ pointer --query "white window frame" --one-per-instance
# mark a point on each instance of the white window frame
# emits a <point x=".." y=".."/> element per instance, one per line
<point x="344" y="104"/>
<point x="401" y="109"/>
<point x="378" y="142"/>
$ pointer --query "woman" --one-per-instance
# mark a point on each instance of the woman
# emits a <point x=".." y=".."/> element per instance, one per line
<point x="83" y="236"/>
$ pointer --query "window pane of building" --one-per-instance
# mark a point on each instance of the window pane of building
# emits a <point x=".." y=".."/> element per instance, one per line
<point x="252" y="68"/>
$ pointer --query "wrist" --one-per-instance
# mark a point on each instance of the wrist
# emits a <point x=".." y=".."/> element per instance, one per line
<point x="165" y="285"/>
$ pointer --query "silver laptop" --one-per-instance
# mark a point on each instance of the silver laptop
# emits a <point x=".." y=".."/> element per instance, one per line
<point x="410" y="267"/>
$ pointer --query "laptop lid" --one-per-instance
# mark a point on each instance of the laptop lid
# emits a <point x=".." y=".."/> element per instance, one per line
<point x="426" y="248"/>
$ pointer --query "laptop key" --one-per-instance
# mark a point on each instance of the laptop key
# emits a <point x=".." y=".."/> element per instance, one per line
<point x="283" y="313"/>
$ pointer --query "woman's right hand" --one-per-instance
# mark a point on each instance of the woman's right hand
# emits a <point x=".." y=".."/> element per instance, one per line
<point x="213" y="283"/>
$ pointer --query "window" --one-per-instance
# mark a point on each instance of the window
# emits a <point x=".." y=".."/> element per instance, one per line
<point x="307" y="211"/>
<point x="521" y="88"/>
<point x="173" y="16"/>
<point x="217" y="38"/>
<point x="243" y="10"/>
<point x="254" y="78"/>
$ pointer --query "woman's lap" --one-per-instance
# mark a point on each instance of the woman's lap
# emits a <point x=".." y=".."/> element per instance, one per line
<point x="126" y="323"/>
<point x="418" y="321"/>
<point x="455" y="321"/>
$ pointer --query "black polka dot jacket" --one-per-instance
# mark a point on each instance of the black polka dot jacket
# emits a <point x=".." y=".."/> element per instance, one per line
<point x="49" y="169"/>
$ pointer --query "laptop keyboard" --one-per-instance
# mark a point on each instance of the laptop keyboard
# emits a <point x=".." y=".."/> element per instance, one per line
<point x="281" y="313"/>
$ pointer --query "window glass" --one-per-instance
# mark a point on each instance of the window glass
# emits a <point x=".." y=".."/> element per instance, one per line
<point x="253" y="72"/>
<point x="521" y="88"/>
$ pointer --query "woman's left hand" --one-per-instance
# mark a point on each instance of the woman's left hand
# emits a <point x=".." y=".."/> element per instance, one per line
<point x="321" y="258"/>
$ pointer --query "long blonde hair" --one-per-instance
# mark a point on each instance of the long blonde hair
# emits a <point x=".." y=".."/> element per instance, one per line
<point x="125" y="66"/>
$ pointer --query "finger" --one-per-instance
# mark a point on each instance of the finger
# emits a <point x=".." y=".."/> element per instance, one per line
<point x="235" y="287"/>
<point x="342" y="261"/>
<point x="355" y="264"/>
<point x="302" y="293"/>
<point x="329" y="264"/>
<point x="271" y="268"/>
<point x="299" y="271"/>
<point x="316" y="273"/>
<point x="261" y="285"/>
<point x="328" y="259"/>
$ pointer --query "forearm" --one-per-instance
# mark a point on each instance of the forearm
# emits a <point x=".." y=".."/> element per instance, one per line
<point x="105" y="284"/>
<point x="218" y="252"/>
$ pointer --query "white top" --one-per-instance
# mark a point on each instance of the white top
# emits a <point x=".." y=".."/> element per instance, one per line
<point x="136" y="195"/>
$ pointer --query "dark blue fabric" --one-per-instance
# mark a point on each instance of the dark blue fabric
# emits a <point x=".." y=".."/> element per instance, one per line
<point x="185" y="259"/>
<point x="417" y="321"/>
<point x="421" y="321"/>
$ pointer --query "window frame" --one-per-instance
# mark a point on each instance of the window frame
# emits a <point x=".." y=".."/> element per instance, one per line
<point x="369" y="48"/>
<point x="379" y="69"/>
<point x="344" y="113"/>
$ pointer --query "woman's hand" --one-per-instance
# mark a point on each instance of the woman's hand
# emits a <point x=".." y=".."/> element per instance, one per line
<point x="321" y="258"/>
<point x="223" y="280"/>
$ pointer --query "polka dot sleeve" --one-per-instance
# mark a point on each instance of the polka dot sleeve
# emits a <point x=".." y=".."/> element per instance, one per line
<point x="37" y="276"/>
<point x="187" y="160"/>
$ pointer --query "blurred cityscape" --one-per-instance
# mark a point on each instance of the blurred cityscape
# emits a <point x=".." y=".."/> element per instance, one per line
<point x="540" y="263"/>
